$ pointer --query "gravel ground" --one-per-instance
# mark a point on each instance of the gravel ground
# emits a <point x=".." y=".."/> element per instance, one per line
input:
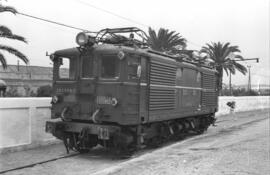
<point x="231" y="149"/>
<point x="238" y="145"/>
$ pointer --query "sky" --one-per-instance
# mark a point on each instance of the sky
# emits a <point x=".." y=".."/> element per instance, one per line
<point x="241" y="22"/>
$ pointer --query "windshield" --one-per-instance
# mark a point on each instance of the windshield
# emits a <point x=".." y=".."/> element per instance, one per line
<point x="66" y="68"/>
<point x="109" y="66"/>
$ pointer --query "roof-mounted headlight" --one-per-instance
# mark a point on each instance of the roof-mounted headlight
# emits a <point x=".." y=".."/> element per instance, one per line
<point x="83" y="39"/>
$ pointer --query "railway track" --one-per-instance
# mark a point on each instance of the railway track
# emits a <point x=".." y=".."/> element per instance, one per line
<point x="111" y="155"/>
<point x="38" y="163"/>
<point x="94" y="155"/>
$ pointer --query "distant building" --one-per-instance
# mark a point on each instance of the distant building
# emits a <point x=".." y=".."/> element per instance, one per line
<point x="26" y="79"/>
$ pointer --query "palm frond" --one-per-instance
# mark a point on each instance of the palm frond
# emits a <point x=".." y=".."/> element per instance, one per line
<point x="8" y="9"/>
<point x="239" y="56"/>
<point x="232" y="69"/>
<point x="3" y="61"/>
<point x="165" y="40"/>
<point x="240" y="68"/>
<point x="14" y="37"/>
<point x="226" y="70"/>
<point x="15" y="52"/>
<point x="5" y="32"/>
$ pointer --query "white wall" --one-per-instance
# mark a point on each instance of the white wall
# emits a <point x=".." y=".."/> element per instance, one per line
<point x="246" y="103"/>
<point x="22" y="120"/>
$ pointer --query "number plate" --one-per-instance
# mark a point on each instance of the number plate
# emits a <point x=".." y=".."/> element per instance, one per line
<point x="103" y="133"/>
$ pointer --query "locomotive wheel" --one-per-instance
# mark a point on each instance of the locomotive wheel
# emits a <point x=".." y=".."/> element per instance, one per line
<point x="155" y="142"/>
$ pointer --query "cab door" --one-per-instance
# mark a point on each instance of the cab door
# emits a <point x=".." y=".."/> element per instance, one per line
<point x="136" y="89"/>
<point x="142" y="73"/>
<point x="87" y="85"/>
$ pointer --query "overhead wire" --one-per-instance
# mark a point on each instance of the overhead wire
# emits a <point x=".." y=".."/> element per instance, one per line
<point x="85" y="30"/>
<point x="53" y="22"/>
<point x="111" y="13"/>
<point x="119" y="16"/>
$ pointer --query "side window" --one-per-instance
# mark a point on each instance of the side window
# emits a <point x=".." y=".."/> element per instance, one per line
<point x="66" y="68"/>
<point x="189" y="77"/>
<point x="179" y="73"/>
<point x="87" y="67"/>
<point x="109" y="66"/>
<point x="134" y="69"/>
<point x="199" y="76"/>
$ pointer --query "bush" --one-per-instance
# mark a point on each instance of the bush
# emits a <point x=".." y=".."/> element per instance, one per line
<point x="12" y="92"/>
<point x="44" y="91"/>
<point x="239" y="92"/>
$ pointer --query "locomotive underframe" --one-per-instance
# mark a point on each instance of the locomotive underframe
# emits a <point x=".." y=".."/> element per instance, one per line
<point x="83" y="136"/>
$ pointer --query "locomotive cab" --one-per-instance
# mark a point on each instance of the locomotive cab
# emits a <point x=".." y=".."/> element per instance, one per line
<point x="90" y="89"/>
<point x="90" y="85"/>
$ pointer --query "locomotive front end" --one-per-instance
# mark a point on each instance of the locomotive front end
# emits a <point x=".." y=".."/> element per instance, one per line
<point x="87" y="99"/>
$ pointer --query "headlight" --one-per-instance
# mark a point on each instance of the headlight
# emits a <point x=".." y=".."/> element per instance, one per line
<point x="81" y="39"/>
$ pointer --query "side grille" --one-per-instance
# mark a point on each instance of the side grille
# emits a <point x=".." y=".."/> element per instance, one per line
<point x="162" y="74"/>
<point x="162" y="98"/>
<point x="209" y="97"/>
<point x="208" y="81"/>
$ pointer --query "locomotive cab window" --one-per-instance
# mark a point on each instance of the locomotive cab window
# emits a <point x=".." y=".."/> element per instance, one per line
<point x="66" y="68"/>
<point x="109" y="66"/>
<point x="179" y="73"/>
<point x="199" y="77"/>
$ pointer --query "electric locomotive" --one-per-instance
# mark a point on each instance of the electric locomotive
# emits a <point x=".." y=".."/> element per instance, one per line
<point x="113" y="90"/>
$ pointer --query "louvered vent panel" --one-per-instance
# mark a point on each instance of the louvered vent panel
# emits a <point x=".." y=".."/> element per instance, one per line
<point x="209" y="97"/>
<point x="161" y="99"/>
<point x="209" y="81"/>
<point x="162" y="74"/>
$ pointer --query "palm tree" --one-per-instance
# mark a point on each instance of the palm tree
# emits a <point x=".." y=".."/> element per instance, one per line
<point x="5" y="32"/>
<point x="165" y="40"/>
<point x="219" y="55"/>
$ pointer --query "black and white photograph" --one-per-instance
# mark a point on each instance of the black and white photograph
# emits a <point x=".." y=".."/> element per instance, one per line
<point x="177" y="87"/>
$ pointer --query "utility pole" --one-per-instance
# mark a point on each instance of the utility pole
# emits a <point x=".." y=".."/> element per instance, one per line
<point x="249" y="79"/>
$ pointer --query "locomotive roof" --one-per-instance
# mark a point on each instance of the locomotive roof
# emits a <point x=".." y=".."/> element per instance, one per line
<point x="112" y="48"/>
<point x="109" y="48"/>
<point x="68" y="52"/>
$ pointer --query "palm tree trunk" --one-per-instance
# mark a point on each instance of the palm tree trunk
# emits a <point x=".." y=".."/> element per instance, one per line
<point x="220" y="79"/>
